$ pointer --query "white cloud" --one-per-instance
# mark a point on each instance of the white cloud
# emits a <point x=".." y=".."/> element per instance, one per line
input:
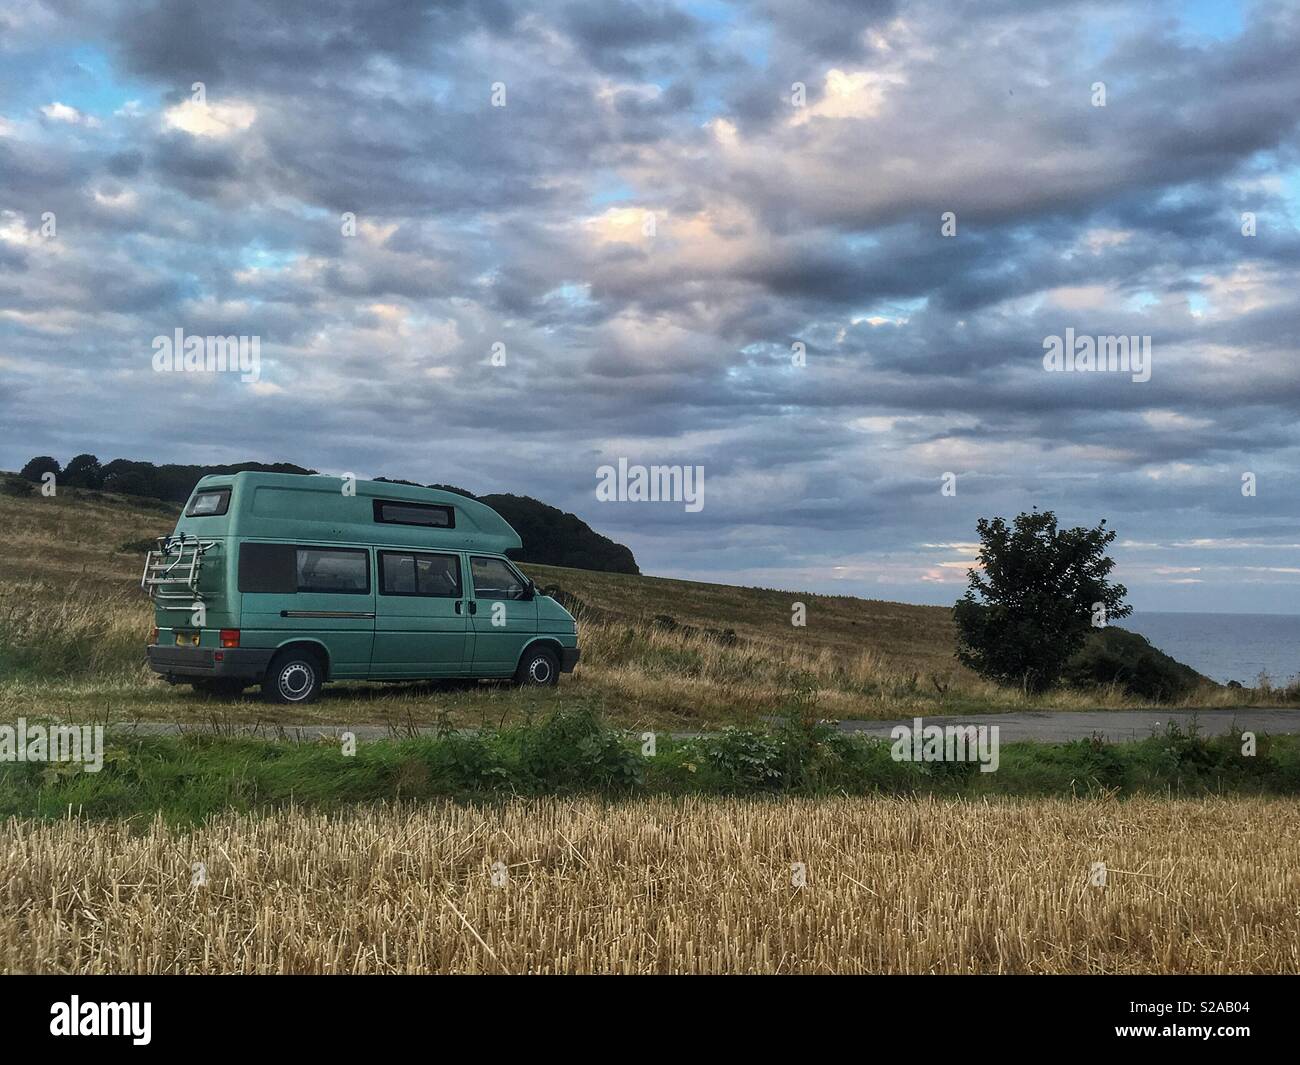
<point x="850" y="94"/>
<point x="210" y="119"/>
<point x="60" y="112"/>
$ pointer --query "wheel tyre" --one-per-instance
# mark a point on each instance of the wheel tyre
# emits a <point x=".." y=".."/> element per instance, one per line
<point x="538" y="668"/>
<point x="293" y="677"/>
<point x="219" y="688"/>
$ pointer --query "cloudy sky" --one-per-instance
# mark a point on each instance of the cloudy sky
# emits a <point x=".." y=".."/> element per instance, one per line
<point x="674" y="198"/>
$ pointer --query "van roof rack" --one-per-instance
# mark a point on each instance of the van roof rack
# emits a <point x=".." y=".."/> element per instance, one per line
<point x="171" y="571"/>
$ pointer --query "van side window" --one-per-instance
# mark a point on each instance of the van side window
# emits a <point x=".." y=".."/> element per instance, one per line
<point x="267" y="568"/>
<point x="411" y="573"/>
<point x="430" y="515"/>
<point x="285" y="568"/>
<point x="493" y="579"/>
<point x="323" y="569"/>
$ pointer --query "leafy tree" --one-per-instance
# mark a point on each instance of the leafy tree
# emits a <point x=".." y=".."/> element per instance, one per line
<point x="130" y="479"/>
<point x="1033" y="600"/>
<point x="38" y="467"/>
<point x="83" y="471"/>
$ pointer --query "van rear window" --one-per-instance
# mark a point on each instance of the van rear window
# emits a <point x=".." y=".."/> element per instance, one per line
<point x="209" y="504"/>
<point x="391" y="512"/>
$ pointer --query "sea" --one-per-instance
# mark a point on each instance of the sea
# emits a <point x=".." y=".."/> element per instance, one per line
<point x="1225" y="646"/>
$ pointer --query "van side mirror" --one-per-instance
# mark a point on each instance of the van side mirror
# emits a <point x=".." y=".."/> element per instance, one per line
<point x="530" y="589"/>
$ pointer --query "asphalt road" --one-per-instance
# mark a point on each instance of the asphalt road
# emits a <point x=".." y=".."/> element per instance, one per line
<point x="1053" y="726"/>
<point x="1117" y="726"/>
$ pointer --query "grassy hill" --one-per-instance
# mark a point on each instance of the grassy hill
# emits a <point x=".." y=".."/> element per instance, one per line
<point x="656" y="652"/>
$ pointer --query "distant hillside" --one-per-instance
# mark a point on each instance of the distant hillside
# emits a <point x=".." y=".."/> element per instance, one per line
<point x="551" y="537"/>
<point x="554" y="538"/>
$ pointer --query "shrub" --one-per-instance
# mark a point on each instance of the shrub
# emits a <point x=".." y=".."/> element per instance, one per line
<point x="574" y="749"/>
<point x="1115" y="656"/>
<point x="745" y="760"/>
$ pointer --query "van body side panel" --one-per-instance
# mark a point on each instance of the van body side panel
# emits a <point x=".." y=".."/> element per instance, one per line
<point x="342" y="622"/>
<point x="346" y="630"/>
<point x="497" y="647"/>
<point x="420" y="638"/>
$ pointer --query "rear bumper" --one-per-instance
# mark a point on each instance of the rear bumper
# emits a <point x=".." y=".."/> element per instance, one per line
<point x="239" y="663"/>
<point x="568" y="658"/>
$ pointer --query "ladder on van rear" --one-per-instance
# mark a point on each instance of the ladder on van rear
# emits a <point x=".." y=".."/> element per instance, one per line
<point x="171" y="571"/>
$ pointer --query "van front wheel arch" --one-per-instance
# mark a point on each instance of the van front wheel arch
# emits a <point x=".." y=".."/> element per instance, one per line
<point x="539" y="667"/>
<point x="295" y="675"/>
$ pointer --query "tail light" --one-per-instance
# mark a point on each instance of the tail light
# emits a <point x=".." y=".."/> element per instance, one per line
<point x="229" y="637"/>
<point x="153" y="634"/>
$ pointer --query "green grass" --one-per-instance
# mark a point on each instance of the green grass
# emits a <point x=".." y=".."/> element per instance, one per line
<point x="190" y="777"/>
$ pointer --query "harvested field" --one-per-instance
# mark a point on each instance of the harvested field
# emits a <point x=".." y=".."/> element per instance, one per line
<point x="660" y="886"/>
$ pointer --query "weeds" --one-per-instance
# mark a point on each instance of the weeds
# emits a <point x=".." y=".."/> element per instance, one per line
<point x="196" y="775"/>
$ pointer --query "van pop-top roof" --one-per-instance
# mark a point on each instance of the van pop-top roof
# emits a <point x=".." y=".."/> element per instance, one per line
<point x="298" y="507"/>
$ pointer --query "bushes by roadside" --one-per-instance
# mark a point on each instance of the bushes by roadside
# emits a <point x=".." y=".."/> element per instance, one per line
<point x="189" y="777"/>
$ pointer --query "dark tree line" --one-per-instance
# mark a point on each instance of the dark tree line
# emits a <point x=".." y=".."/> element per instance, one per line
<point x="171" y="482"/>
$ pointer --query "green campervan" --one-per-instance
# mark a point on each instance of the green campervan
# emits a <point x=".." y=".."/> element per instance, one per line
<point x="289" y="581"/>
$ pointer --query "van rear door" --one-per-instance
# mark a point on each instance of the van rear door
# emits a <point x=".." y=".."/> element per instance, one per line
<point x="421" y="626"/>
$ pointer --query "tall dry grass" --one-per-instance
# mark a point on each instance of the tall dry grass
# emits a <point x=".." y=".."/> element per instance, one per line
<point x="699" y="886"/>
<point x="691" y="676"/>
<point x="697" y="675"/>
<point x="57" y="631"/>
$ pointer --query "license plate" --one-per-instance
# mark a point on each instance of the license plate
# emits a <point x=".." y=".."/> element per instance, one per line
<point x="187" y="639"/>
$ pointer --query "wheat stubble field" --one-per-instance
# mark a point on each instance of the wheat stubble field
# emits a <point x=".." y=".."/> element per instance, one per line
<point x="666" y="886"/>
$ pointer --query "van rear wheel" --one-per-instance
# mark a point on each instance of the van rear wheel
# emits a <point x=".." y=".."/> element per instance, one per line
<point x="538" y="668"/>
<point x="293" y="677"/>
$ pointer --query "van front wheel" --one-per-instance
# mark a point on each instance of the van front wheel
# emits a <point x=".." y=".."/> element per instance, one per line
<point x="539" y="668"/>
<point x="292" y="677"/>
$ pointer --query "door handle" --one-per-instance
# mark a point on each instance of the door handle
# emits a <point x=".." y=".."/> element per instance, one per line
<point x="457" y="606"/>
<point x="473" y="607"/>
